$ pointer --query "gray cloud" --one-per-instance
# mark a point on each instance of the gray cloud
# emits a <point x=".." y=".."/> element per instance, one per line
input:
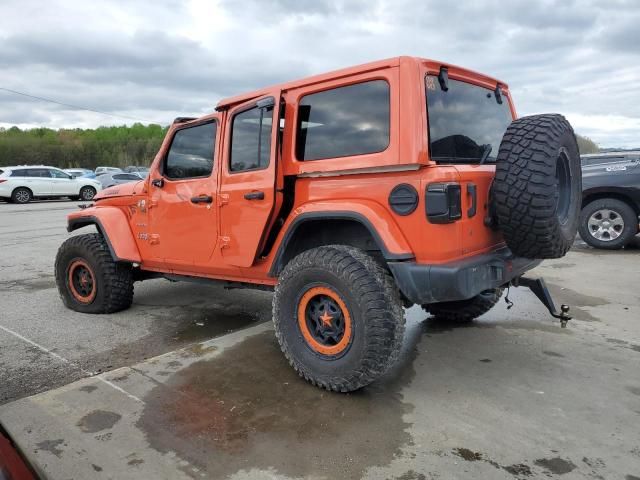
<point x="175" y="57"/>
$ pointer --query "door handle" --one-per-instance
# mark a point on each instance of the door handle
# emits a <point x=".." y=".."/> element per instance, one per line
<point x="254" y="196"/>
<point x="472" y="190"/>
<point x="202" y="199"/>
<point x="157" y="182"/>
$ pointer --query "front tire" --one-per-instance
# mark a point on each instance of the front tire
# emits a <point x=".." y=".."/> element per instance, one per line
<point x="338" y="317"/>
<point x="608" y="223"/>
<point x="89" y="280"/>
<point x="464" y="311"/>
<point x="87" y="193"/>
<point x="21" y="195"/>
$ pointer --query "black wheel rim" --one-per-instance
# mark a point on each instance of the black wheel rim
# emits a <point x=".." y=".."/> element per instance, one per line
<point x="81" y="281"/>
<point x="563" y="179"/>
<point x="325" y="320"/>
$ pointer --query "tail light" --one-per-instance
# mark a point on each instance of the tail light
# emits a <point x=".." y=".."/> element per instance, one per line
<point x="2" y="180"/>
<point x="443" y="202"/>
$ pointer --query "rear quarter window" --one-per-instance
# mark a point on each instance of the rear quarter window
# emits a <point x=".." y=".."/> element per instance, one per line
<point x="344" y="121"/>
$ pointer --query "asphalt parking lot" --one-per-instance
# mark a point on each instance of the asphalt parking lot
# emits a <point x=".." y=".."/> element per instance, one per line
<point x="190" y="383"/>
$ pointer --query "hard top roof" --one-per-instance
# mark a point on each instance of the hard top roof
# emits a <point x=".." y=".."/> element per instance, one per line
<point x="390" y="62"/>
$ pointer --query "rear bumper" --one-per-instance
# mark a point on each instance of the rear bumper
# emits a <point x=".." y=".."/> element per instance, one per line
<point x="459" y="280"/>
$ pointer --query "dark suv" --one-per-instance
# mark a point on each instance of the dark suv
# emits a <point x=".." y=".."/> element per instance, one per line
<point x="610" y="198"/>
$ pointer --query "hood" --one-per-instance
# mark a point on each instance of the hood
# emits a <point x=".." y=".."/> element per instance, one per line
<point x="124" y="190"/>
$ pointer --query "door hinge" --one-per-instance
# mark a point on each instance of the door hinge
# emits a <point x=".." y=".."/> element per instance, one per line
<point x="223" y="199"/>
<point x="224" y="242"/>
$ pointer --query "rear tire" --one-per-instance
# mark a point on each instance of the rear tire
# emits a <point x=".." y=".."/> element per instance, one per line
<point x="464" y="311"/>
<point x="608" y="223"/>
<point x="359" y="335"/>
<point x="537" y="189"/>
<point x="89" y="280"/>
<point x="21" y="195"/>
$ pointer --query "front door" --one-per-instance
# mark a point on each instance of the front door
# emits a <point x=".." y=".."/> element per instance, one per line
<point x="62" y="183"/>
<point x="183" y="228"/>
<point x="248" y="179"/>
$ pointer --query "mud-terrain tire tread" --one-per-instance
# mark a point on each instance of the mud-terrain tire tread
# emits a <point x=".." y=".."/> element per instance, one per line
<point x="116" y="279"/>
<point x="623" y="209"/>
<point x="464" y="311"/>
<point x="380" y="302"/>
<point x="525" y="191"/>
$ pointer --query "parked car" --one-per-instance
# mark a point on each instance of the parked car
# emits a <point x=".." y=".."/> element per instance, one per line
<point x="143" y="171"/>
<point x="102" y="170"/>
<point x="352" y="208"/>
<point x="117" y="178"/>
<point x="21" y="184"/>
<point x="80" y="172"/>
<point x="610" y="199"/>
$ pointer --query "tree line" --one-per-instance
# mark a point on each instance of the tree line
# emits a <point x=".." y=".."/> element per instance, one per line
<point x="87" y="148"/>
<point x="107" y="146"/>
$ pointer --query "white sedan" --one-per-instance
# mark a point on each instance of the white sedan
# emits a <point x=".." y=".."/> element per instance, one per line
<point x="24" y="183"/>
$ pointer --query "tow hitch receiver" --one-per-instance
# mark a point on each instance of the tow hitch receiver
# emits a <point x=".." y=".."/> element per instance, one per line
<point x="539" y="288"/>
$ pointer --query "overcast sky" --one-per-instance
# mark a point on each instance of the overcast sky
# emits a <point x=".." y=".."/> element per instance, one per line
<point x="179" y="57"/>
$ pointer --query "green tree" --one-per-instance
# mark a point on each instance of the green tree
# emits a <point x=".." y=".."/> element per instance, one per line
<point x="117" y="146"/>
<point x="586" y="145"/>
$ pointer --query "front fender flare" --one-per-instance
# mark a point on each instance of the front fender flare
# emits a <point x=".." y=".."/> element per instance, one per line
<point x="113" y="224"/>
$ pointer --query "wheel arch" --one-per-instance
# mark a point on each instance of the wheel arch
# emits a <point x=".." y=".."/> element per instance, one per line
<point x="620" y="194"/>
<point x="113" y="225"/>
<point x="24" y="187"/>
<point x="314" y="229"/>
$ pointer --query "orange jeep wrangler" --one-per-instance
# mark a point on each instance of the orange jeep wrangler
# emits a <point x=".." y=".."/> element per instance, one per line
<point x="350" y="194"/>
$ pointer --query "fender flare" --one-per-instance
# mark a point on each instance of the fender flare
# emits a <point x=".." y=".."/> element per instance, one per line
<point x="113" y="225"/>
<point x="277" y="263"/>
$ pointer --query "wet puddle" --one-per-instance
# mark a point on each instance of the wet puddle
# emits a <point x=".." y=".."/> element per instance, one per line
<point x="248" y="409"/>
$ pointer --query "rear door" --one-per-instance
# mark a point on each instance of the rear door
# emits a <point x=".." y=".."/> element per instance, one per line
<point x="40" y="182"/>
<point x="248" y="179"/>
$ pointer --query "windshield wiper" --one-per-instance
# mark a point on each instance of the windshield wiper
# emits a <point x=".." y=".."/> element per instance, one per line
<point x="486" y="150"/>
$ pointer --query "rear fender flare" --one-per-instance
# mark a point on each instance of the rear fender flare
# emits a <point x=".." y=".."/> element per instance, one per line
<point x="113" y="224"/>
<point x="379" y="222"/>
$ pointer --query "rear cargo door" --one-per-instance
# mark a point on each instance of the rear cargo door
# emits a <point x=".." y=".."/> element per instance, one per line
<point x="248" y="180"/>
<point x="475" y="182"/>
<point x="466" y="122"/>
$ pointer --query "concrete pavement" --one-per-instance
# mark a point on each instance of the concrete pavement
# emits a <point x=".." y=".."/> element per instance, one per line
<point x="509" y="396"/>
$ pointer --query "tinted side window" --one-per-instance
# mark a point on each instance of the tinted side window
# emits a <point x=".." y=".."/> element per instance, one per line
<point x="191" y="152"/>
<point x="19" y="173"/>
<point x="251" y="139"/>
<point x="58" y="174"/>
<point x="38" y="172"/>
<point x="351" y="120"/>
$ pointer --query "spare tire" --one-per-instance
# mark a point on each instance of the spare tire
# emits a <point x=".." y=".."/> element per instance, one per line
<point x="538" y="186"/>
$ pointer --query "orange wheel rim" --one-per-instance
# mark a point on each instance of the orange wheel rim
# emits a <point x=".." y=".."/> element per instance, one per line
<point x="324" y="320"/>
<point x="81" y="281"/>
